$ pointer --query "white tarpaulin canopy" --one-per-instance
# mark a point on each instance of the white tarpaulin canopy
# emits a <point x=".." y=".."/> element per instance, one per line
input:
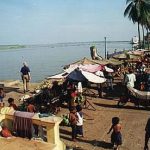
<point x="108" y="69"/>
<point x="58" y="76"/>
<point x="92" y="77"/>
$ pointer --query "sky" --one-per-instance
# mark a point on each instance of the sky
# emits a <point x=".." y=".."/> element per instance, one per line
<point x="59" y="21"/>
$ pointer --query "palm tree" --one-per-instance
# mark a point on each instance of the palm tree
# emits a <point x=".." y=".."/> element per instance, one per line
<point x="136" y="11"/>
<point x="147" y="26"/>
<point x="144" y="17"/>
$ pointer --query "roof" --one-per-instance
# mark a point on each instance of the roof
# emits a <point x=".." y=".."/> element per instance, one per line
<point x="85" y="61"/>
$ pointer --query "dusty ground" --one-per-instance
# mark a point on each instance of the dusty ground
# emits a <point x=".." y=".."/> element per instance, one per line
<point x="98" y="122"/>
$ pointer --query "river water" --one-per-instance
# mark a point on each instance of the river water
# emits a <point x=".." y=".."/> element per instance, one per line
<point x="46" y="60"/>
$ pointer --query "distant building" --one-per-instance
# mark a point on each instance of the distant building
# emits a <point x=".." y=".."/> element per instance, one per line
<point x="135" y="40"/>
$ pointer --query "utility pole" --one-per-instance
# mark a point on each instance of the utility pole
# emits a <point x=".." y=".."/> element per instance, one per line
<point x="105" y="49"/>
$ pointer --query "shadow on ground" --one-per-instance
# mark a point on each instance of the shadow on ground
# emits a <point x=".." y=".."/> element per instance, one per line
<point x="123" y="107"/>
<point x="10" y="89"/>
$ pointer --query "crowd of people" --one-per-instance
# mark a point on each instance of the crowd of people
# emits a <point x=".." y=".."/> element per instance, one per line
<point x="136" y="76"/>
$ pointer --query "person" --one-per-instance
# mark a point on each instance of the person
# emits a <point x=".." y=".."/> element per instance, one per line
<point x="99" y="85"/>
<point x="73" y="122"/>
<point x="56" y="88"/>
<point x="116" y="137"/>
<point x="2" y="95"/>
<point x="147" y="81"/>
<point x="31" y="107"/>
<point x="12" y="104"/>
<point x="79" y="93"/>
<point x="80" y="120"/>
<point x="109" y="81"/>
<point x="143" y="67"/>
<point x="147" y="134"/>
<point x="130" y="78"/>
<point x="26" y="77"/>
<point x="72" y="97"/>
<point x="79" y="88"/>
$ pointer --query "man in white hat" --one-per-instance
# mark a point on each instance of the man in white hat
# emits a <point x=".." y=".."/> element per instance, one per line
<point x="26" y="77"/>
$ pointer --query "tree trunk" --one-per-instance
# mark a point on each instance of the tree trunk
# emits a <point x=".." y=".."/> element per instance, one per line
<point x="148" y="39"/>
<point x="139" y="34"/>
<point x="143" y="45"/>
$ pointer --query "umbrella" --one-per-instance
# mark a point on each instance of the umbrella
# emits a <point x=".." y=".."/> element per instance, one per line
<point x="133" y="56"/>
<point x="77" y="76"/>
<point x="121" y="56"/>
<point x="86" y="61"/>
<point x="80" y="75"/>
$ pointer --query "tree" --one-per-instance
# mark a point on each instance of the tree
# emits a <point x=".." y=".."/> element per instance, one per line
<point x="147" y="26"/>
<point x="138" y="11"/>
<point x="144" y="17"/>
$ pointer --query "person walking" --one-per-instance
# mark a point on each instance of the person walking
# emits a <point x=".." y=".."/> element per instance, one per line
<point x="26" y="77"/>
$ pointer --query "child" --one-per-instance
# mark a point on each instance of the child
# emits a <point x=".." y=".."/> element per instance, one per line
<point x="73" y="122"/>
<point x="72" y="97"/>
<point x="2" y="95"/>
<point x="116" y="137"/>
<point x="80" y="120"/>
<point x="31" y="107"/>
<point x="11" y="103"/>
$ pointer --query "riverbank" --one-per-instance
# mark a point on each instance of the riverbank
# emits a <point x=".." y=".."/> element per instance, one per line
<point x="14" y="89"/>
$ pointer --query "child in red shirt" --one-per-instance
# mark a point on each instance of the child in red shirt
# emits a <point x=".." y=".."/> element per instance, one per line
<point x="31" y="107"/>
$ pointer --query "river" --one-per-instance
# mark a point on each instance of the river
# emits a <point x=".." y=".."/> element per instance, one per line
<point x="49" y="59"/>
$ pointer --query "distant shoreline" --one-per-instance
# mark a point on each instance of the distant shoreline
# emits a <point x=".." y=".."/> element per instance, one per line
<point x="53" y="45"/>
<point x="7" y="47"/>
<point x="22" y="45"/>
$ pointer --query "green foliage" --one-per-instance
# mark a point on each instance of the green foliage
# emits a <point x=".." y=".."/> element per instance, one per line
<point x="139" y="12"/>
<point x="8" y="47"/>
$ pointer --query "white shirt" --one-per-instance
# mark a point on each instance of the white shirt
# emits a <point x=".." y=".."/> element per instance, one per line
<point x="130" y="79"/>
<point x="80" y="120"/>
<point x="79" y="87"/>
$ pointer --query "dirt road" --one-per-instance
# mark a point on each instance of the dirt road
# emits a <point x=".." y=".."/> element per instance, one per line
<point x="97" y="124"/>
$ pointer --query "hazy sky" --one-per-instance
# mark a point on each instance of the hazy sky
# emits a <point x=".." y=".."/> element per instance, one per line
<point x="55" y="21"/>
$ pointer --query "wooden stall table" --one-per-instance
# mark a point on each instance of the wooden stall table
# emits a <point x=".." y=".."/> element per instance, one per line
<point x="52" y="127"/>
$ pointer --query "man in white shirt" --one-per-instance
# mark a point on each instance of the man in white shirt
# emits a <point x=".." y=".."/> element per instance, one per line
<point x="79" y="88"/>
<point x="99" y="85"/>
<point x="130" y="78"/>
